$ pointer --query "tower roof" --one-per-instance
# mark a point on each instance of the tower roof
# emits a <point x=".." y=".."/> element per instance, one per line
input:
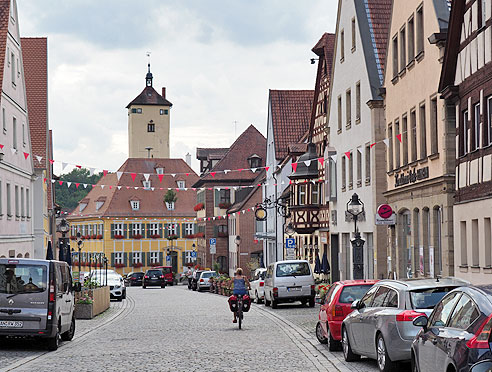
<point x="149" y="96"/>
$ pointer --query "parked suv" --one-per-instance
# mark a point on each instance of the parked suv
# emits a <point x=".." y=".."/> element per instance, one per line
<point x="289" y="281"/>
<point x="134" y="279"/>
<point x="37" y="300"/>
<point x="380" y="327"/>
<point x="154" y="277"/>
<point x="257" y="284"/>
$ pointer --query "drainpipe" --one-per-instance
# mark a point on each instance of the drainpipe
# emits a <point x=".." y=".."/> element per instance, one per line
<point x="276" y="247"/>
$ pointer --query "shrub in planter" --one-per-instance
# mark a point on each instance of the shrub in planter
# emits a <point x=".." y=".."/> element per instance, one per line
<point x="137" y="236"/>
<point x="189" y="236"/>
<point x="199" y="207"/>
<point x="118" y="236"/>
<point x="73" y="237"/>
<point x="155" y="236"/>
<point x="224" y="205"/>
<point x="119" y="265"/>
<point x="87" y="237"/>
<point x="172" y="237"/>
<point x="93" y="236"/>
<point x="137" y="264"/>
<point x="99" y="236"/>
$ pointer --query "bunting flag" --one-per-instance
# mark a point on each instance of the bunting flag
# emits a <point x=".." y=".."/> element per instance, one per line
<point x="64" y="165"/>
<point x="161" y="177"/>
<point x="213" y="174"/>
<point x="105" y="172"/>
<point x="77" y="185"/>
<point x="119" y="187"/>
<point x="294" y="167"/>
<point x="26" y="155"/>
<point x="373" y="144"/>
<point x="13" y="151"/>
<point x="307" y="163"/>
<point x="91" y="171"/>
<point x="253" y="170"/>
<point x="118" y="175"/>
<point x="85" y="185"/>
<point x="173" y="174"/>
<point x="79" y="166"/>
<point x="134" y="175"/>
<point x="359" y="149"/>
<point x="386" y="142"/>
<point x="399" y="137"/>
<point x="266" y="169"/>
<point x="1" y="147"/>
<point x="53" y="181"/>
<point x="226" y="171"/>
<point x="52" y="161"/>
<point x="347" y="154"/>
<point x="333" y="158"/>
<point x="321" y="161"/>
<point x="39" y="158"/>
<point x="69" y="184"/>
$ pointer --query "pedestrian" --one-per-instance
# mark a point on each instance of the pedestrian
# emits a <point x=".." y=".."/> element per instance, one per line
<point x="189" y="275"/>
<point x="240" y="283"/>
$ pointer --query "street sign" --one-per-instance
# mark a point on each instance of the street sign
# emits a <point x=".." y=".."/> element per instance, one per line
<point x="213" y="245"/>
<point x="168" y="258"/>
<point x="290" y="243"/>
<point x="290" y="253"/>
<point x="386" y="221"/>
<point x="213" y="241"/>
<point x="385" y="211"/>
<point x="193" y="254"/>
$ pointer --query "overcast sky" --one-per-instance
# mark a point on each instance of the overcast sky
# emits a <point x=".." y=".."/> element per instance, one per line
<point x="217" y="60"/>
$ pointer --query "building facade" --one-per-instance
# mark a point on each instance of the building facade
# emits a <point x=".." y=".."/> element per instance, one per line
<point x="466" y="86"/>
<point x="16" y="163"/>
<point x="421" y="150"/>
<point x="355" y="154"/>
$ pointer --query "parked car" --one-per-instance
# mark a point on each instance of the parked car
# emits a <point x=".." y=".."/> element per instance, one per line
<point x="203" y="281"/>
<point x="154" y="277"/>
<point x="381" y="328"/>
<point x="337" y="305"/>
<point x="289" y="281"/>
<point x="134" y="279"/>
<point x="194" y="280"/>
<point x="168" y="273"/>
<point x="257" y="284"/>
<point x="457" y="334"/>
<point x="117" y="288"/>
<point x="484" y="366"/>
<point x="37" y="300"/>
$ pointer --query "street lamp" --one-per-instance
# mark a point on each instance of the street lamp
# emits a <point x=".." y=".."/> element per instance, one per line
<point x="355" y="208"/>
<point x="63" y="242"/>
<point x="80" y="244"/>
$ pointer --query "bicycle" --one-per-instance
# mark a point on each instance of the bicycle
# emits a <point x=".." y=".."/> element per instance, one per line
<point x="239" y="310"/>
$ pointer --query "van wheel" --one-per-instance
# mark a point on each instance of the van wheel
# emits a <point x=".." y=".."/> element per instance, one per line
<point x="267" y="301"/>
<point x="274" y="304"/>
<point x="54" y="342"/>
<point x="68" y="335"/>
<point x="311" y="302"/>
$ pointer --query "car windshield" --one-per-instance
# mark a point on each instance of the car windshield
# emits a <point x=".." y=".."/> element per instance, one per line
<point x="166" y="270"/>
<point x="138" y="275"/>
<point x="353" y="293"/>
<point x="154" y="272"/>
<point x="429" y="297"/>
<point x="21" y="278"/>
<point x="262" y="275"/>
<point x="293" y="269"/>
<point x="208" y="275"/>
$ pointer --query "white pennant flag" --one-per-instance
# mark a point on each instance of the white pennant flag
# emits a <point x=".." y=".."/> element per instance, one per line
<point x="194" y="219"/>
<point x="152" y="188"/>
<point x="64" y="165"/>
<point x="85" y="185"/>
<point x="102" y="186"/>
<point x="360" y="149"/>
<point x="235" y="188"/>
<point x="307" y="162"/>
<point x="185" y="189"/>
<point x="13" y="150"/>
<point x="282" y="183"/>
<point x="173" y="174"/>
<point x="334" y="158"/>
<point x="53" y="181"/>
<point x="119" y="187"/>
<point x="218" y="188"/>
<point x="39" y="158"/>
<point x="224" y="216"/>
<point x="386" y="142"/>
<point x="119" y="174"/>
<point x="253" y="170"/>
<point x="226" y="171"/>
<point x="69" y="184"/>
<point x="313" y="182"/>
<point x="146" y="175"/>
<point x="91" y="171"/>
<point x="214" y="218"/>
<point x="244" y="212"/>
<point x="136" y="187"/>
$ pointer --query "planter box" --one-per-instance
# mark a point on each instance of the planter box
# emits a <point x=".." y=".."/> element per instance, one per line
<point x="101" y="299"/>
<point x="84" y="311"/>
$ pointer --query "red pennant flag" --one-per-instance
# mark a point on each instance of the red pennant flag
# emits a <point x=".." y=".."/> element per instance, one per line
<point x="241" y="169"/>
<point x="105" y="172"/>
<point x="266" y="169"/>
<point x="161" y="177"/>
<point x="128" y="187"/>
<point x="79" y="166"/>
<point x="259" y="185"/>
<point x="52" y="161"/>
<point x="290" y="182"/>
<point x="347" y="154"/>
<point x="249" y="209"/>
<point x="187" y="174"/>
<point x="26" y="155"/>
<point x="294" y="167"/>
<point x="110" y="187"/>
<point x="321" y="161"/>
<point x="93" y="186"/>
<point x="213" y="174"/>
<point x="1" y="147"/>
<point x="45" y="180"/>
<point x="373" y="144"/>
<point x="133" y="176"/>
<point x="160" y="188"/>
<point x="399" y="137"/>
<point x="77" y="185"/>
<point x="60" y="182"/>
<point x="210" y="188"/>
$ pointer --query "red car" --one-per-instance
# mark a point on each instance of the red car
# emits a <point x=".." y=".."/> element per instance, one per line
<point x="168" y="273"/>
<point x="336" y="307"/>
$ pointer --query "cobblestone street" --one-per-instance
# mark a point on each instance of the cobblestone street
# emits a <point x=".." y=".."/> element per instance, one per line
<point x="174" y="329"/>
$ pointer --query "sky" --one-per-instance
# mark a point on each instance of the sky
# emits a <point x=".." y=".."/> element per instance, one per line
<point x="217" y="60"/>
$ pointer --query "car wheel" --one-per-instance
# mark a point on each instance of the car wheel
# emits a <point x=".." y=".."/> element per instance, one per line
<point x="124" y="295"/>
<point x="274" y="304"/>
<point x="144" y="286"/>
<point x="68" y="335"/>
<point x="413" y="363"/>
<point x="333" y="345"/>
<point x="257" y="298"/>
<point x="348" y="354"/>
<point x="384" y="362"/>
<point x="119" y="299"/>
<point x="303" y="302"/>
<point x="267" y="301"/>
<point x="54" y="342"/>
<point x="319" y="334"/>
<point x="311" y="302"/>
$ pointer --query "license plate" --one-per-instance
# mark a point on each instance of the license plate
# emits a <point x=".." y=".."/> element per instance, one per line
<point x="293" y="289"/>
<point x="11" y="324"/>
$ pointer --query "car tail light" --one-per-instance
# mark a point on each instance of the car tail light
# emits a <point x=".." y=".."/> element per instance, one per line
<point x="481" y="339"/>
<point x="146" y="277"/>
<point x="338" y="310"/>
<point x="312" y="287"/>
<point x="52" y="291"/>
<point x="408" y="316"/>
<point x="50" y="315"/>
<point x="275" y="292"/>
<point x="132" y="278"/>
<point x="201" y="280"/>
<point x="262" y="284"/>
<point x="162" y="276"/>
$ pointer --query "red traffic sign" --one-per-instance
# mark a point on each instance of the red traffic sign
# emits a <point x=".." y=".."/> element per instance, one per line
<point x="385" y="211"/>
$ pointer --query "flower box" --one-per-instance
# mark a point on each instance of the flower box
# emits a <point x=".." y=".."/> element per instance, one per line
<point x="155" y="236"/>
<point x="199" y="207"/>
<point x="224" y="205"/>
<point x="172" y="237"/>
<point x="87" y="237"/>
<point x="99" y="237"/>
<point x="154" y="264"/>
<point x="117" y="236"/>
<point x="137" y="264"/>
<point x="136" y="236"/>
<point x="93" y="236"/>
<point x="84" y="311"/>
<point x="73" y="237"/>
<point x="200" y="235"/>
<point x="190" y="236"/>
<point x="119" y="265"/>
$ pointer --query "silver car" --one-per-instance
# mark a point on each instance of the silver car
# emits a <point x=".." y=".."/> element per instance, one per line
<point x="381" y="328"/>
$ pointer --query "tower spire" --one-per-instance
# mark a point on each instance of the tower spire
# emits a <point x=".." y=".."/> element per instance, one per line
<point x="148" y="77"/>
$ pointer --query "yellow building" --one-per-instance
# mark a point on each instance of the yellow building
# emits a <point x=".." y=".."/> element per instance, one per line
<point x="125" y="217"/>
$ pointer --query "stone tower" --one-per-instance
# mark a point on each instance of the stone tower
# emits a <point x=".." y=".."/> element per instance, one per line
<point x="149" y="123"/>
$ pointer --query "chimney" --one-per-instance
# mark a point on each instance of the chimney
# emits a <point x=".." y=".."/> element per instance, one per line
<point x="163" y="92"/>
<point x="188" y="159"/>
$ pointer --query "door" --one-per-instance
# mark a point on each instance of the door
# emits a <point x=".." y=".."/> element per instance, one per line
<point x="356" y="328"/>
<point x="335" y="268"/>
<point x="174" y="261"/>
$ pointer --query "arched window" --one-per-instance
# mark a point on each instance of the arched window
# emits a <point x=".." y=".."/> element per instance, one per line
<point x="405" y="234"/>
<point x="19" y="255"/>
<point x="419" y="264"/>
<point x="437" y="222"/>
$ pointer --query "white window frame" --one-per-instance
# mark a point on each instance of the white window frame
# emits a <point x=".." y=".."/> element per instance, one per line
<point x="89" y="229"/>
<point x="181" y="184"/>
<point x="137" y="257"/>
<point x="154" y="257"/>
<point x="118" y="228"/>
<point x="154" y="228"/>
<point x="476" y="125"/>
<point x="189" y="228"/>
<point x="135" y="204"/>
<point x="465" y="132"/>
<point x="188" y="257"/>
<point x="146" y="185"/>
<point x="101" y="229"/>
<point x="302" y="195"/>
<point x="137" y="228"/>
<point x="172" y="228"/>
<point x="118" y="258"/>
<point x="159" y="170"/>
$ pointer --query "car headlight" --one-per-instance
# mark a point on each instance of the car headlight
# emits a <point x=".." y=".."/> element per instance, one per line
<point x="117" y="286"/>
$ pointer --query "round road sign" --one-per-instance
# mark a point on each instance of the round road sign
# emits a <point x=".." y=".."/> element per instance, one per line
<point x="385" y="211"/>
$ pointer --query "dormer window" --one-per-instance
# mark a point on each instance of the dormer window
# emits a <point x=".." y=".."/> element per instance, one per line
<point x="99" y="204"/>
<point x="181" y="184"/>
<point x="146" y="185"/>
<point x="82" y="206"/>
<point x="159" y="170"/>
<point x="135" y="204"/>
<point x="254" y="161"/>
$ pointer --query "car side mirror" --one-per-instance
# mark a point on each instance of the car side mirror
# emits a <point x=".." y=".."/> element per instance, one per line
<point x="355" y="305"/>
<point x="421" y="321"/>
<point x="77" y="287"/>
<point x="485" y="366"/>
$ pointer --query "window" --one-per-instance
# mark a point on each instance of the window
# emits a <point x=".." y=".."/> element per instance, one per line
<point x="395" y="56"/>
<point x="333" y="179"/>
<point x="366" y="301"/>
<point x="146" y="185"/>
<point x="357" y="102"/>
<point x="14" y="133"/>
<point x="255" y="161"/>
<point x="22" y="202"/>
<point x="344" y="173"/>
<point x="433" y="128"/>
<point x="222" y="229"/>
<point x="16" y="196"/>
<point x="163" y="111"/>
<point x="154" y="257"/>
<point x="403" y="49"/>
<point x="100" y="229"/>
<point x="4" y="121"/>
<point x="404" y="139"/>
<point x="189" y="228"/>
<point x="1" y="199"/>
<point x="118" y="258"/>
<point x="151" y="127"/>
<point x="135" y="204"/>
<point x="411" y="40"/>
<point x="413" y="135"/>
<point x="464" y="314"/>
<point x="423" y="133"/>
<point x="489" y="121"/>
<point x="89" y="229"/>
<point x="397" y="143"/>
<point x="464" y="149"/>
<point x="222" y="198"/>
<point x="476" y="128"/>
<point x="302" y="194"/>
<point x="474" y="240"/>
<point x="481" y="16"/>
<point x="351" y="170"/>
<point x="159" y="170"/>
<point x="181" y="184"/>
<point x="315" y="197"/>
<point x="379" y="297"/>
<point x="348" y="107"/>
<point x="359" y="167"/>
<point x="154" y="228"/>
<point x="342" y="46"/>
<point x="28" y="204"/>
<point x="12" y="67"/>
<point x="137" y="257"/>
<point x="340" y="113"/>
<point x="136" y="228"/>
<point x="487" y="227"/>
<point x="420" y="29"/>
<point x="172" y="228"/>
<point x="368" y="163"/>
<point x="464" y="251"/>
<point x="390" y="148"/>
<point x="391" y="299"/>
<point x="443" y="310"/>
<point x="353" y="35"/>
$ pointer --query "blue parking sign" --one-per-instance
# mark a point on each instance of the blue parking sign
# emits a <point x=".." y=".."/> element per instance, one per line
<point x="193" y="254"/>
<point x="290" y="243"/>
<point x="168" y="258"/>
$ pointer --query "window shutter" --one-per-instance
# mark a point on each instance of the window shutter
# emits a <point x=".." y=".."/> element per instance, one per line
<point x="161" y="256"/>
<point x="125" y="232"/>
<point x="216" y="231"/>
<point x="125" y="259"/>
<point x="147" y="230"/>
<point x="183" y="258"/>
<point x="130" y="230"/>
<point x="146" y="263"/>
<point x="112" y="259"/>
<point x="166" y="230"/>
<point x="195" y="228"/>
<point x="216" y="197"/>
<point x="183" y="229"/>
<point x="160" y="230"/>
<point x="112" y="235"/>
<point x="130" y="258"/>
<point x="177" y="230"/>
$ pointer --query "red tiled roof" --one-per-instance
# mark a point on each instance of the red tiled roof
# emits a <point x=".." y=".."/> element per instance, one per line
<point x="35" y="58"/>
<point x="210" y="153"/>
<point x="325" y="47"/>
<point x="291" y="115"/>
<point x="149" y="96"/>
<point x="380" y="14"/>
<point x="250" y="142"/>
<point x="151" y="202"/>
<point x="4" y="29"/>
<point x="297" y="148"/>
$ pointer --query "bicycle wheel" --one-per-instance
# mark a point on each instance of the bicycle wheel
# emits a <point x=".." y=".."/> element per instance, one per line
<point x="240" y="318"/>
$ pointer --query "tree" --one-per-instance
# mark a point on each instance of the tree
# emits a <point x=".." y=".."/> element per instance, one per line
<point x="68" y="197"/>
<point x="170" y="197"/>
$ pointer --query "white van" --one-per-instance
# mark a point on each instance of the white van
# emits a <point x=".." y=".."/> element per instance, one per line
<point x="36" y="300"/>
<point x="289" y="281"/>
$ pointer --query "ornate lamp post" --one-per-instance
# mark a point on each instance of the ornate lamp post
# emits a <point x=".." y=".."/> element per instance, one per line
<point x="80" y="244"/>
<point x="355" y="208"/>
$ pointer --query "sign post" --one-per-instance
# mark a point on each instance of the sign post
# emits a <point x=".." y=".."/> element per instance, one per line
<point x="213" y="248"/>
<point x="290" y="249"/>
<point x="385" y="215"/>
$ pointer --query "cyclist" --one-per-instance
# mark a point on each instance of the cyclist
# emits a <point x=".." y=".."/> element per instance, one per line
<point x="240" y="283"/>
